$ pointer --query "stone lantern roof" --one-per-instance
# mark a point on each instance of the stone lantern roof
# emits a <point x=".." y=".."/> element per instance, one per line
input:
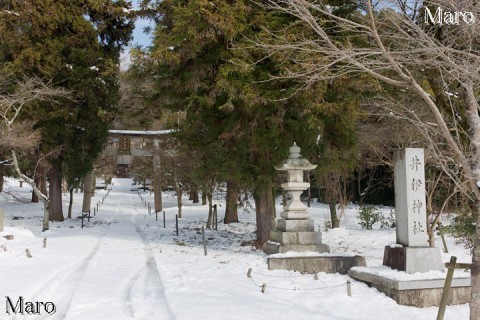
<point x="295" y="161"/>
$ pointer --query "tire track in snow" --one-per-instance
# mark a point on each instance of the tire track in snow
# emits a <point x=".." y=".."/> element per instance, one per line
<point x="61" y="286"/>
<point x="128" y="292"/>
<point x="155" y="304"/>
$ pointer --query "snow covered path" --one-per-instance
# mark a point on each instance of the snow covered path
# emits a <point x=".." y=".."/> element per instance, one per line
<point x="115" y="276"/>
<point x="127" y="279"/>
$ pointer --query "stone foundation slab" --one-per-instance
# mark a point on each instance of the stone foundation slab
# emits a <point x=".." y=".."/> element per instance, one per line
<point x="417" y="293"/>
<point x="314" y="264"/>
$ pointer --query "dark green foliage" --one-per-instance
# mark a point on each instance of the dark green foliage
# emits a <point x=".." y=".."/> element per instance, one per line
<point x="463" y="227"/>
<point x="75" y="45"/>
<point x="368" y="216"/>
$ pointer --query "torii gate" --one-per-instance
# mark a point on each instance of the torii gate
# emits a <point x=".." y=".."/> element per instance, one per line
<point x="124" y="140"/>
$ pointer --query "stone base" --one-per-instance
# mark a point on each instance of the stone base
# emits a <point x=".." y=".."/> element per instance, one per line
<point x="413" y="259"/>
<point x="295" y="236"/>
<point x="270" y="247"/>
<point x="314" y="264"/>
<point x="285" y="225"/>
<point x="417" y="293"/>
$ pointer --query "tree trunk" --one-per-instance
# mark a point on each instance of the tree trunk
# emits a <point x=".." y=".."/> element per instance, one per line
<point x="31" y="182"/>
<point x="2" y="180"/>
<point x="204" y="198"/>
<point x="55" y="190"/>
<point x="331" y="182"/>
<point x="70" y="205"/>
<point x="333" y="213"/>
<point x="209" y="196"/>
<point x="87" y="192"/>
<point x="231" y="212"/>
<point x="40" y="181"/>
<point x="178" y="190"/>
<point x="46" y="214"/>
<point x="194" y="194"/>
<point x="157" y="194"/>
<point x="265" y="210"/>
<point x="475" y="272"/>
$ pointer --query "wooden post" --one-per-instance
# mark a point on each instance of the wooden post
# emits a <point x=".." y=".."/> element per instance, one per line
<point x="249" y="273"/>
<point x="157" y="183"/>
<point x="164" y="220"/>
<point x="349" y="288"/>
<point x="94" y="212"/>
<point x="204" y="241"/>
<point x="215" y="216"/>
<point x="440" y="230"/>
<point x="264" y="286"/>
<point x="176" y="223"/>
<point x="446" y="288"/>
<point x="156" y="216"/>
<point x="83" y="216"/>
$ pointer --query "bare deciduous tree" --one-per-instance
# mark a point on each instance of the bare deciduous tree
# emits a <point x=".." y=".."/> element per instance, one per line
<point x="394" y="43"/>
<point x="17" y="135"/>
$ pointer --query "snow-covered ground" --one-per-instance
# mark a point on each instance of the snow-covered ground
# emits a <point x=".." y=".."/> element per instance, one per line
<point x="125" y="265"/>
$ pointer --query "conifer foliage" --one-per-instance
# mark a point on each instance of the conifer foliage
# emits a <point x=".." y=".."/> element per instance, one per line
<point x="75" y="45"/>
<point x="237" y="120"/>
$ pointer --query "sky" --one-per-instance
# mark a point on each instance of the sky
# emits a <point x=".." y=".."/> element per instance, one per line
<point x="139" y="38"/>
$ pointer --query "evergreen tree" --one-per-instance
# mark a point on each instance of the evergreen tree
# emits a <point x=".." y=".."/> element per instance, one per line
<point x="75" y="45"/>
<point x="236" y="120"/>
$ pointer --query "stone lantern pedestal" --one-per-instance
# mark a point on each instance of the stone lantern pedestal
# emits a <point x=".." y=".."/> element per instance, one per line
<point x="294" y="244"/>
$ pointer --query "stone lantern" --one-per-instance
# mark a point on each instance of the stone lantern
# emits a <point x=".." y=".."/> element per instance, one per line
<point x="295" y="165"/>
<point x="295" y="230"/>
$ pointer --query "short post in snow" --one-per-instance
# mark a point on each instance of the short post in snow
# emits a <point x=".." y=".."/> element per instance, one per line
<point x="176" y="223"/>
<point x="83" y="217"/>
<point x="94" y="212"/>
<point x="164" y="220"/>
<point x="349" y="288"/>
<point x="88" y="217"/>
<point x="204" y="241"/>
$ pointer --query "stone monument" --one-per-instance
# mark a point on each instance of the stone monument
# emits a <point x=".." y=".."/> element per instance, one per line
<point x="412" y="253"/>
<point x="295" y="231"/>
